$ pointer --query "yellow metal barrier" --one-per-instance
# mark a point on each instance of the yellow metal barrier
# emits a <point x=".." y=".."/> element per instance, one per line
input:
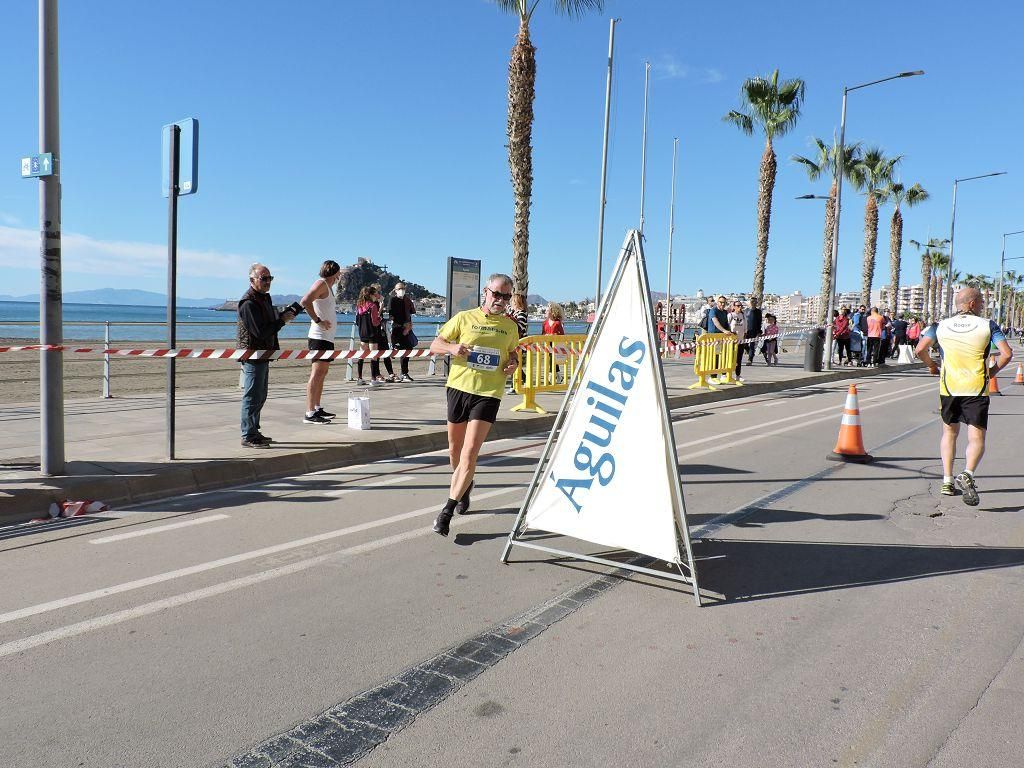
<point x="538" y="369"/>
<point x="715" y="355"/>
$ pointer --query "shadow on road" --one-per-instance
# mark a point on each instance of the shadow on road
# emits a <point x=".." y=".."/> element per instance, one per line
<point x="755" y="570"/>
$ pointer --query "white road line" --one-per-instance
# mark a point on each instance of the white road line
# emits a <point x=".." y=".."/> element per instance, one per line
<point x="147" y="609"/>
<point x="738" y="410"/>
<point x="888" y="396"/>
<point x="158" y="529"/>
<point x="382" y="484"/>
<point x="771" y="433"/>
<point x="159" y="578"/>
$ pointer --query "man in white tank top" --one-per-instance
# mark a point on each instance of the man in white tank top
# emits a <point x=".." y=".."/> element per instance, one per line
<point x="319" y="303"/>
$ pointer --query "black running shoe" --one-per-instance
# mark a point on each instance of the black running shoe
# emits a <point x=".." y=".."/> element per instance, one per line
<point x="967" y="486"/>
<point x="261" y="438"/>
<point x="325" y="414"/>
<point x="316" y="418"/>
<point x="463" y="506"/>
<point x="444" y="519"/>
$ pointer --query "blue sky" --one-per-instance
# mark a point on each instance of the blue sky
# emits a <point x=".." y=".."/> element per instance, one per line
<point x="333" y="129"/>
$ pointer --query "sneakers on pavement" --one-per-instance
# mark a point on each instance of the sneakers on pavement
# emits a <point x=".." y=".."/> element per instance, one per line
<point x="967" y="486"/>
<point x="261" y="438"/>
<point x="361" y="382"/>
<point x="376" y="383"/>
<point x="405" y="377"/>
<point x="444" y="519"/>
<point x="252" y="442"/>
<point x="462" y="507"/>
<point x="316" y="418"/>
<point x="947" y="489"/>
<point x="326" y="414"/>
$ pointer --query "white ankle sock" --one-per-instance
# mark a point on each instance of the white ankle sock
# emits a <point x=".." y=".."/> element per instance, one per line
<point x="969" y="472"/>
<point x="947" y="478"/>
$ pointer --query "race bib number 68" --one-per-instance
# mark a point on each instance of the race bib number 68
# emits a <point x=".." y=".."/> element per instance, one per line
<point x="483" y="358"/>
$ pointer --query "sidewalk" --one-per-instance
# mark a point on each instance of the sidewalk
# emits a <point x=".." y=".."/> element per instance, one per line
<point x="116" y="449"/>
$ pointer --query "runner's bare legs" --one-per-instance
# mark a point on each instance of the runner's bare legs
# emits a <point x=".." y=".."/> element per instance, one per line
<point x="463" y="458"/>
<point x="975" y="447"/>
<point x="947" y="447"/>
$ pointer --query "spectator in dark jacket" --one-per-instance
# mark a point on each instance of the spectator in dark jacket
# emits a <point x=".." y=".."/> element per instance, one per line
<point x="752" y="315"/>
<point x="258" y="324"/>
<point x="401" y="310"/>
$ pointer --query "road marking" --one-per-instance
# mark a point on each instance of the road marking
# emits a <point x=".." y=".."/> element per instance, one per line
<point x="771" y="433"/>
<point x="889" y="396"/>
<point x="191" y="570"/>
<point x="147" y="609"/>
<point x="158" y="529"/>
<point x="739" y="410"/>
<point x="381" y="484"/>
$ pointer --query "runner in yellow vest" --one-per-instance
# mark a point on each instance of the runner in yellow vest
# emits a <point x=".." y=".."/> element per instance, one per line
<point x="482" y="343"/>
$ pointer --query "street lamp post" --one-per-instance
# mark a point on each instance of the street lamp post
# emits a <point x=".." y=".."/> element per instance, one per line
<point x="952" y="229"/>
<point x="838" y="175"/>
<point x="1002" y="262"/>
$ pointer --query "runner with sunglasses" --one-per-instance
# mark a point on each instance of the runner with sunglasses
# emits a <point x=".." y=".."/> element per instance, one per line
<point x="482" y="343"/>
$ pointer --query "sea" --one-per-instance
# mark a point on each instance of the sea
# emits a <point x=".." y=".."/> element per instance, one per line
<point x="85" y="322"/>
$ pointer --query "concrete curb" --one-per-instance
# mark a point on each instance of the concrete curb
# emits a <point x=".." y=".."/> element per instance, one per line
<point x="180" y="478"/>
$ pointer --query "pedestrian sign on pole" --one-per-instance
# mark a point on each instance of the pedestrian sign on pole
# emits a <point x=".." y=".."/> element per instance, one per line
<point x="188" y="167"/>
<point x="37" y="165"/>
<point x="612" y="476"/>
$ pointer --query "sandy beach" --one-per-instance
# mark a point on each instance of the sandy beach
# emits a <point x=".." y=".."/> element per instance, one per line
<point x="83" y="373"/>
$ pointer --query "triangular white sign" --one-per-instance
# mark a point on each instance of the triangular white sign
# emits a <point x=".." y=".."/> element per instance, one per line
<point x="611" y="478"/>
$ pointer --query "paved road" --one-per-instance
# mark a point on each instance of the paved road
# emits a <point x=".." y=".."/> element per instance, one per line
<point x="863" y="619"/>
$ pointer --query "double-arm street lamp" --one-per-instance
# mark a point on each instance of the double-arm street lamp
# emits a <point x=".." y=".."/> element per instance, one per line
<point x="1002" y="261"/>
<point x="838" y="175"/>
<point x="952" y="230"/>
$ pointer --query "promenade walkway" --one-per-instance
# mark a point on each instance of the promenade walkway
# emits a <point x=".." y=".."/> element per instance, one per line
<point x="116" y="449"/>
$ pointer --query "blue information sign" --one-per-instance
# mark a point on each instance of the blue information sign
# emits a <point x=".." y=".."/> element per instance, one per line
<point x="188" y="157"/>
<point x="37" y="165"/>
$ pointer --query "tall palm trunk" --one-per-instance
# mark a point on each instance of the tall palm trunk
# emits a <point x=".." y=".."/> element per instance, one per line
<point x="870" y="245"/>
<point x="926" y="284"/>
<point x="826" y="255"/>
<point x="764" y="215"/>
<point x="895" y="254"/>
<point x="522" y="75"/>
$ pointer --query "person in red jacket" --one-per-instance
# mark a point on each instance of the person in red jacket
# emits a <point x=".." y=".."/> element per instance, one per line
<point x="553" y="321"/>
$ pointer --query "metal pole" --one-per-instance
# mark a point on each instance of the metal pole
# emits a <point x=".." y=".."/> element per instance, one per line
<point x="671" y="232"/>
<point x="604" y="162"/>
<point x="999" y="294"/>
<point x="948" y="298"/>
<point x="51" y="330"/>
<point x="643" y="150"/>
<point x="106" y="359"/>
<point x="838" y="174"/>
<point x="172" y="279"/>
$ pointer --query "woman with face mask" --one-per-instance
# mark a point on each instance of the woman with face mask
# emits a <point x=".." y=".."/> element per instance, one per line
<point x="401" y="310"/>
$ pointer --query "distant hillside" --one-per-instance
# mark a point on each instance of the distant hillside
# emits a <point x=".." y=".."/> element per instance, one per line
<point x="365" y="272"/>
<point x="125" y="296"/>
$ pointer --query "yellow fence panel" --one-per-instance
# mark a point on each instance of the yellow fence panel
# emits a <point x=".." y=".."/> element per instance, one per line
<point x="546" y="364"/>
<point x="715" y="356"/>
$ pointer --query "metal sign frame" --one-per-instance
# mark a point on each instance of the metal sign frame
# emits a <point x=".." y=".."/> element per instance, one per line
<point x="630" y="257"/>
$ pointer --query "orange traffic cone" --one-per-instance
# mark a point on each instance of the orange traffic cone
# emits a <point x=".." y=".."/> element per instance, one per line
<point x="850" y="445"/>
<point x="993" y="381"/>
<point x="1020" y="374"/>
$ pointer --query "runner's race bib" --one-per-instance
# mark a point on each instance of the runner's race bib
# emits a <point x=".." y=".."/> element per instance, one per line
<point x="483" y="358"/>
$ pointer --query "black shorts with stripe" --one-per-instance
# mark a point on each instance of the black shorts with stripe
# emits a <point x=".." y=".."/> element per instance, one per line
<point x="970" y="410"/>
<point x="465" y="406"/>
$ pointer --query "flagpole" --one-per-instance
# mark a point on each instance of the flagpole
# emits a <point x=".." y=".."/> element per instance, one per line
<point x="604" y="161"/>
<point x="671" y="233"/>
<point x="643" y="149"/>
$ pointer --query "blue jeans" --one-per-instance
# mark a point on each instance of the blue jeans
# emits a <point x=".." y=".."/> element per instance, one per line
<point x="254" y="395"/>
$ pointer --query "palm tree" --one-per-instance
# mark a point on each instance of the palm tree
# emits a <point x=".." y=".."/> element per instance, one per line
<point x="899" y="195"/>
<point x="522" y="75"/>
<point x="940" y="263"/>
<point x="822" y="164"/>
<point x="986" y="284"/>
<point x="870" y="177"/>
<point x="775" y="108"/>
<point x="934" y="244"/>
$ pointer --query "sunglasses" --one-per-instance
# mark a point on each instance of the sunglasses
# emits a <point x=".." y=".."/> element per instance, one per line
<point x="499" y="295"/>
<point x="265" y="278"/>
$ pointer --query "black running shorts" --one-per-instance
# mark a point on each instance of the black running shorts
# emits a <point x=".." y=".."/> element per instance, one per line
<point x="972" y="411"/>
<point x="320" y="345"/>
<point x="465" y="406"/>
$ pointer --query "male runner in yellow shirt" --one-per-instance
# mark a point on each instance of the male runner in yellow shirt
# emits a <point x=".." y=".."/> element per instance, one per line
<point x="482" y="343"/>
<point x="964" y="341"/>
